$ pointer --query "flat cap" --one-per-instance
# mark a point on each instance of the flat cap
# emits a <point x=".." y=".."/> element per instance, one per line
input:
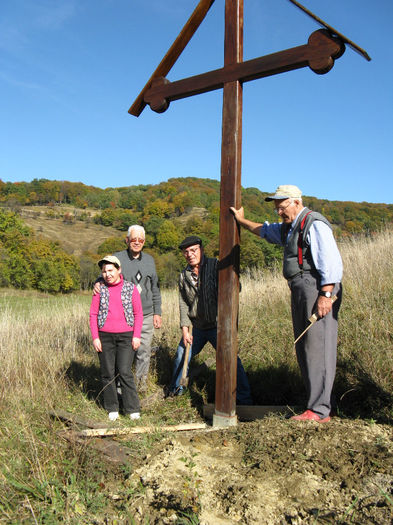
<point x="190" y="241"/>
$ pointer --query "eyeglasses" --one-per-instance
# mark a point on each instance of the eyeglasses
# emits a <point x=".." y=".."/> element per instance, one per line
<point x="137" y="239"/>
<point x="190" y="251"/>
<point x="280" y="209"/>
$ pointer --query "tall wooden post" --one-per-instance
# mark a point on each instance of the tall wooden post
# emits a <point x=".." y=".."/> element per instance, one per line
<point x="228" y="289"/>
<point x="322" y="49"/>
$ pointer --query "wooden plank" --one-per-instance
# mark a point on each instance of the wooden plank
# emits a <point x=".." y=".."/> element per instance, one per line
<point x="333" y="31"/>
<point x="102" y="432"/>
<point x="173" y="53"/>
<point x="249" y="413"/>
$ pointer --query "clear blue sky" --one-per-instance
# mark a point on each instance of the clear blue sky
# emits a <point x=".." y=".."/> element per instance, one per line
<point x="70" y="69"/>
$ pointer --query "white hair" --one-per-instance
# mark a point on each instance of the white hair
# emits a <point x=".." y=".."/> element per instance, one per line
<point x="137" y="228"/>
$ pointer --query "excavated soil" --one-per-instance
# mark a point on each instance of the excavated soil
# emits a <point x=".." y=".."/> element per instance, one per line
<point x="272" y="471"/>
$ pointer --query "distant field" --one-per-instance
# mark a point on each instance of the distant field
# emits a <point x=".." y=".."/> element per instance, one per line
<point x="76" y="237"/>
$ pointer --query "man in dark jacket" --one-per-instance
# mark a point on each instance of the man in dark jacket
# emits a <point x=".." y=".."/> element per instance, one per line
<point x="313" y="268"/>
<point x="198" y="285"/>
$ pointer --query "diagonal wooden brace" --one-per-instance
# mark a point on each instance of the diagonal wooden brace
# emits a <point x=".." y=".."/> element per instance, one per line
<point x="318" y="54"/>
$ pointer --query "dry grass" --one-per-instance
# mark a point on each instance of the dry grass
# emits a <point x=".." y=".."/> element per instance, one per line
<point x="47" y="362"/>
<point x="75" y="238"/>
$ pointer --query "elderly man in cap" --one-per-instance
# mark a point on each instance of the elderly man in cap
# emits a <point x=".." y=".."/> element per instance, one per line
<point x="139" y="268"/>
<point x="313" y="268"/>
<point x="198" y="286"/>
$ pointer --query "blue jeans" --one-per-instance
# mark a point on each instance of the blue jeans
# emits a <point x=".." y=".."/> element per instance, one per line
<point x="200" y="338"/>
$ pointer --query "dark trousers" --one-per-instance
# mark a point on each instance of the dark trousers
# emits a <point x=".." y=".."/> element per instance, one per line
<point x="117" y="356"/>
<point x="200" y="338"/>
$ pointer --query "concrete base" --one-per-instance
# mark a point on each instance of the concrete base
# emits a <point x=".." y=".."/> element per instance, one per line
<point x="224" y="421"/>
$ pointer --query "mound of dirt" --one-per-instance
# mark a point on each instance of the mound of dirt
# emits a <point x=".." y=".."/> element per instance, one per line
<point x="273" y="471"/>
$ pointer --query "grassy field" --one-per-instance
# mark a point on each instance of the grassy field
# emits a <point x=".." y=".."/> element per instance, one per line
<point x="48" y="363"/>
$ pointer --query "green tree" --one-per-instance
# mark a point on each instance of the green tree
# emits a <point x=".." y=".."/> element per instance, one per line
<point x="168" y="237"/>
<point x="111" y="245"/>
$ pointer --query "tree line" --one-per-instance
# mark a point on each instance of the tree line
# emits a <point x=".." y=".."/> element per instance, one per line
<point x="169" y="211"/>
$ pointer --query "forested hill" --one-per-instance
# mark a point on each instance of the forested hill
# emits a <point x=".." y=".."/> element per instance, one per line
<point x="169" y="211"/>
<point x="170" y="200"/>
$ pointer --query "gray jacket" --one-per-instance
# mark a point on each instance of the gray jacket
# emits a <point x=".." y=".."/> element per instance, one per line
<point x="142" y="272"/>
<point x="198" y="302"/>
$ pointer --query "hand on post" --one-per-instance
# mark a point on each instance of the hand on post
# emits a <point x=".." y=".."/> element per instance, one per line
<point x="238" y="214"/>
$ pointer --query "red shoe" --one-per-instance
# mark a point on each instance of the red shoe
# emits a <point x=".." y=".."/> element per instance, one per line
<point x="309" y="415"/>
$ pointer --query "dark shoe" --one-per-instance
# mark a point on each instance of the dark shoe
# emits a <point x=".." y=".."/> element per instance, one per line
<point x="309" y="415"/>
<point x="179" y="391"/>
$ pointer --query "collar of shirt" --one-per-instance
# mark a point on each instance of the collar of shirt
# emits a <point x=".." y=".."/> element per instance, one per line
<point x="194" y="276"/>
<point x="132" y="257"/>
<point x="293" y="224"/>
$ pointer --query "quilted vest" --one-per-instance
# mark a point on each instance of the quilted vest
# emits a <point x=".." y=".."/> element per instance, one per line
<point x="126" y="299"/>
<point x="291" y="266"/>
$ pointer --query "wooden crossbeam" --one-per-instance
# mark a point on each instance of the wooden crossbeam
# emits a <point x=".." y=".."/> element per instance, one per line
<point x="319" y="54"/>
<point x="173" y="53"/>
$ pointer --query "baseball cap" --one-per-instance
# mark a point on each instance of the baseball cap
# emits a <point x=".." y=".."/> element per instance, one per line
<point x="109" y="259"/>
<point x="285" y="191"/>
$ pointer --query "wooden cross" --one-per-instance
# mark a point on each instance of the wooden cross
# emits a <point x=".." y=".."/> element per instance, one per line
<point x="320" y="52"/>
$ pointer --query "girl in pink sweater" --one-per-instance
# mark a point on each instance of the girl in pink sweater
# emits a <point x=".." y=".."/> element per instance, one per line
<point x="116" y="319"/>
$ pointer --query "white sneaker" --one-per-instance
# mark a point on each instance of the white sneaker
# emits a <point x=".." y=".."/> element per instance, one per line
<point x="135" y="415"/>
<point x="113" y="416"/>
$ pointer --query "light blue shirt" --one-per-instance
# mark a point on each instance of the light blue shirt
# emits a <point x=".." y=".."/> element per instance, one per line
<point x="324" y="251"/>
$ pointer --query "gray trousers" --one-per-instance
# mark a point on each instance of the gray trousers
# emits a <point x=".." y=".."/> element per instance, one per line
<point x="317" y="350"/>
<point x="142" y="358"/>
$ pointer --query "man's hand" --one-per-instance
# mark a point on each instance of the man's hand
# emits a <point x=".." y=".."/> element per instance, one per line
<point x="253" y="227"/>
<point x="97" y="345"/>
<point x="157" y="321"/>
<point x="239" y="214"/>
<point x="187" y="337"/>
<point x="324" y="306"/>
<point x="97" y="288"/>
<point x="136" y="343"/>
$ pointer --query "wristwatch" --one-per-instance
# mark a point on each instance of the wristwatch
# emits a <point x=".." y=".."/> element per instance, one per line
<point x="325" y="294"/>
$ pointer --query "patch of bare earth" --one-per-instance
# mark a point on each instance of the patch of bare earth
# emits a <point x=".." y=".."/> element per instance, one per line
<point x="273" y="471"/>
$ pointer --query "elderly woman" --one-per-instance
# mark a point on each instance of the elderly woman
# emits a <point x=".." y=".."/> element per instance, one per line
<point x="116" y="319"/>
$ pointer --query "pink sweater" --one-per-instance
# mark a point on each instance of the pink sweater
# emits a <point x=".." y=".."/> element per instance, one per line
<point x="116" y="321"/>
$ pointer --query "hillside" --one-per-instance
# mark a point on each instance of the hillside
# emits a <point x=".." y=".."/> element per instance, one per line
<point x="88" y="221"/>
<point x="76" y="237"/>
